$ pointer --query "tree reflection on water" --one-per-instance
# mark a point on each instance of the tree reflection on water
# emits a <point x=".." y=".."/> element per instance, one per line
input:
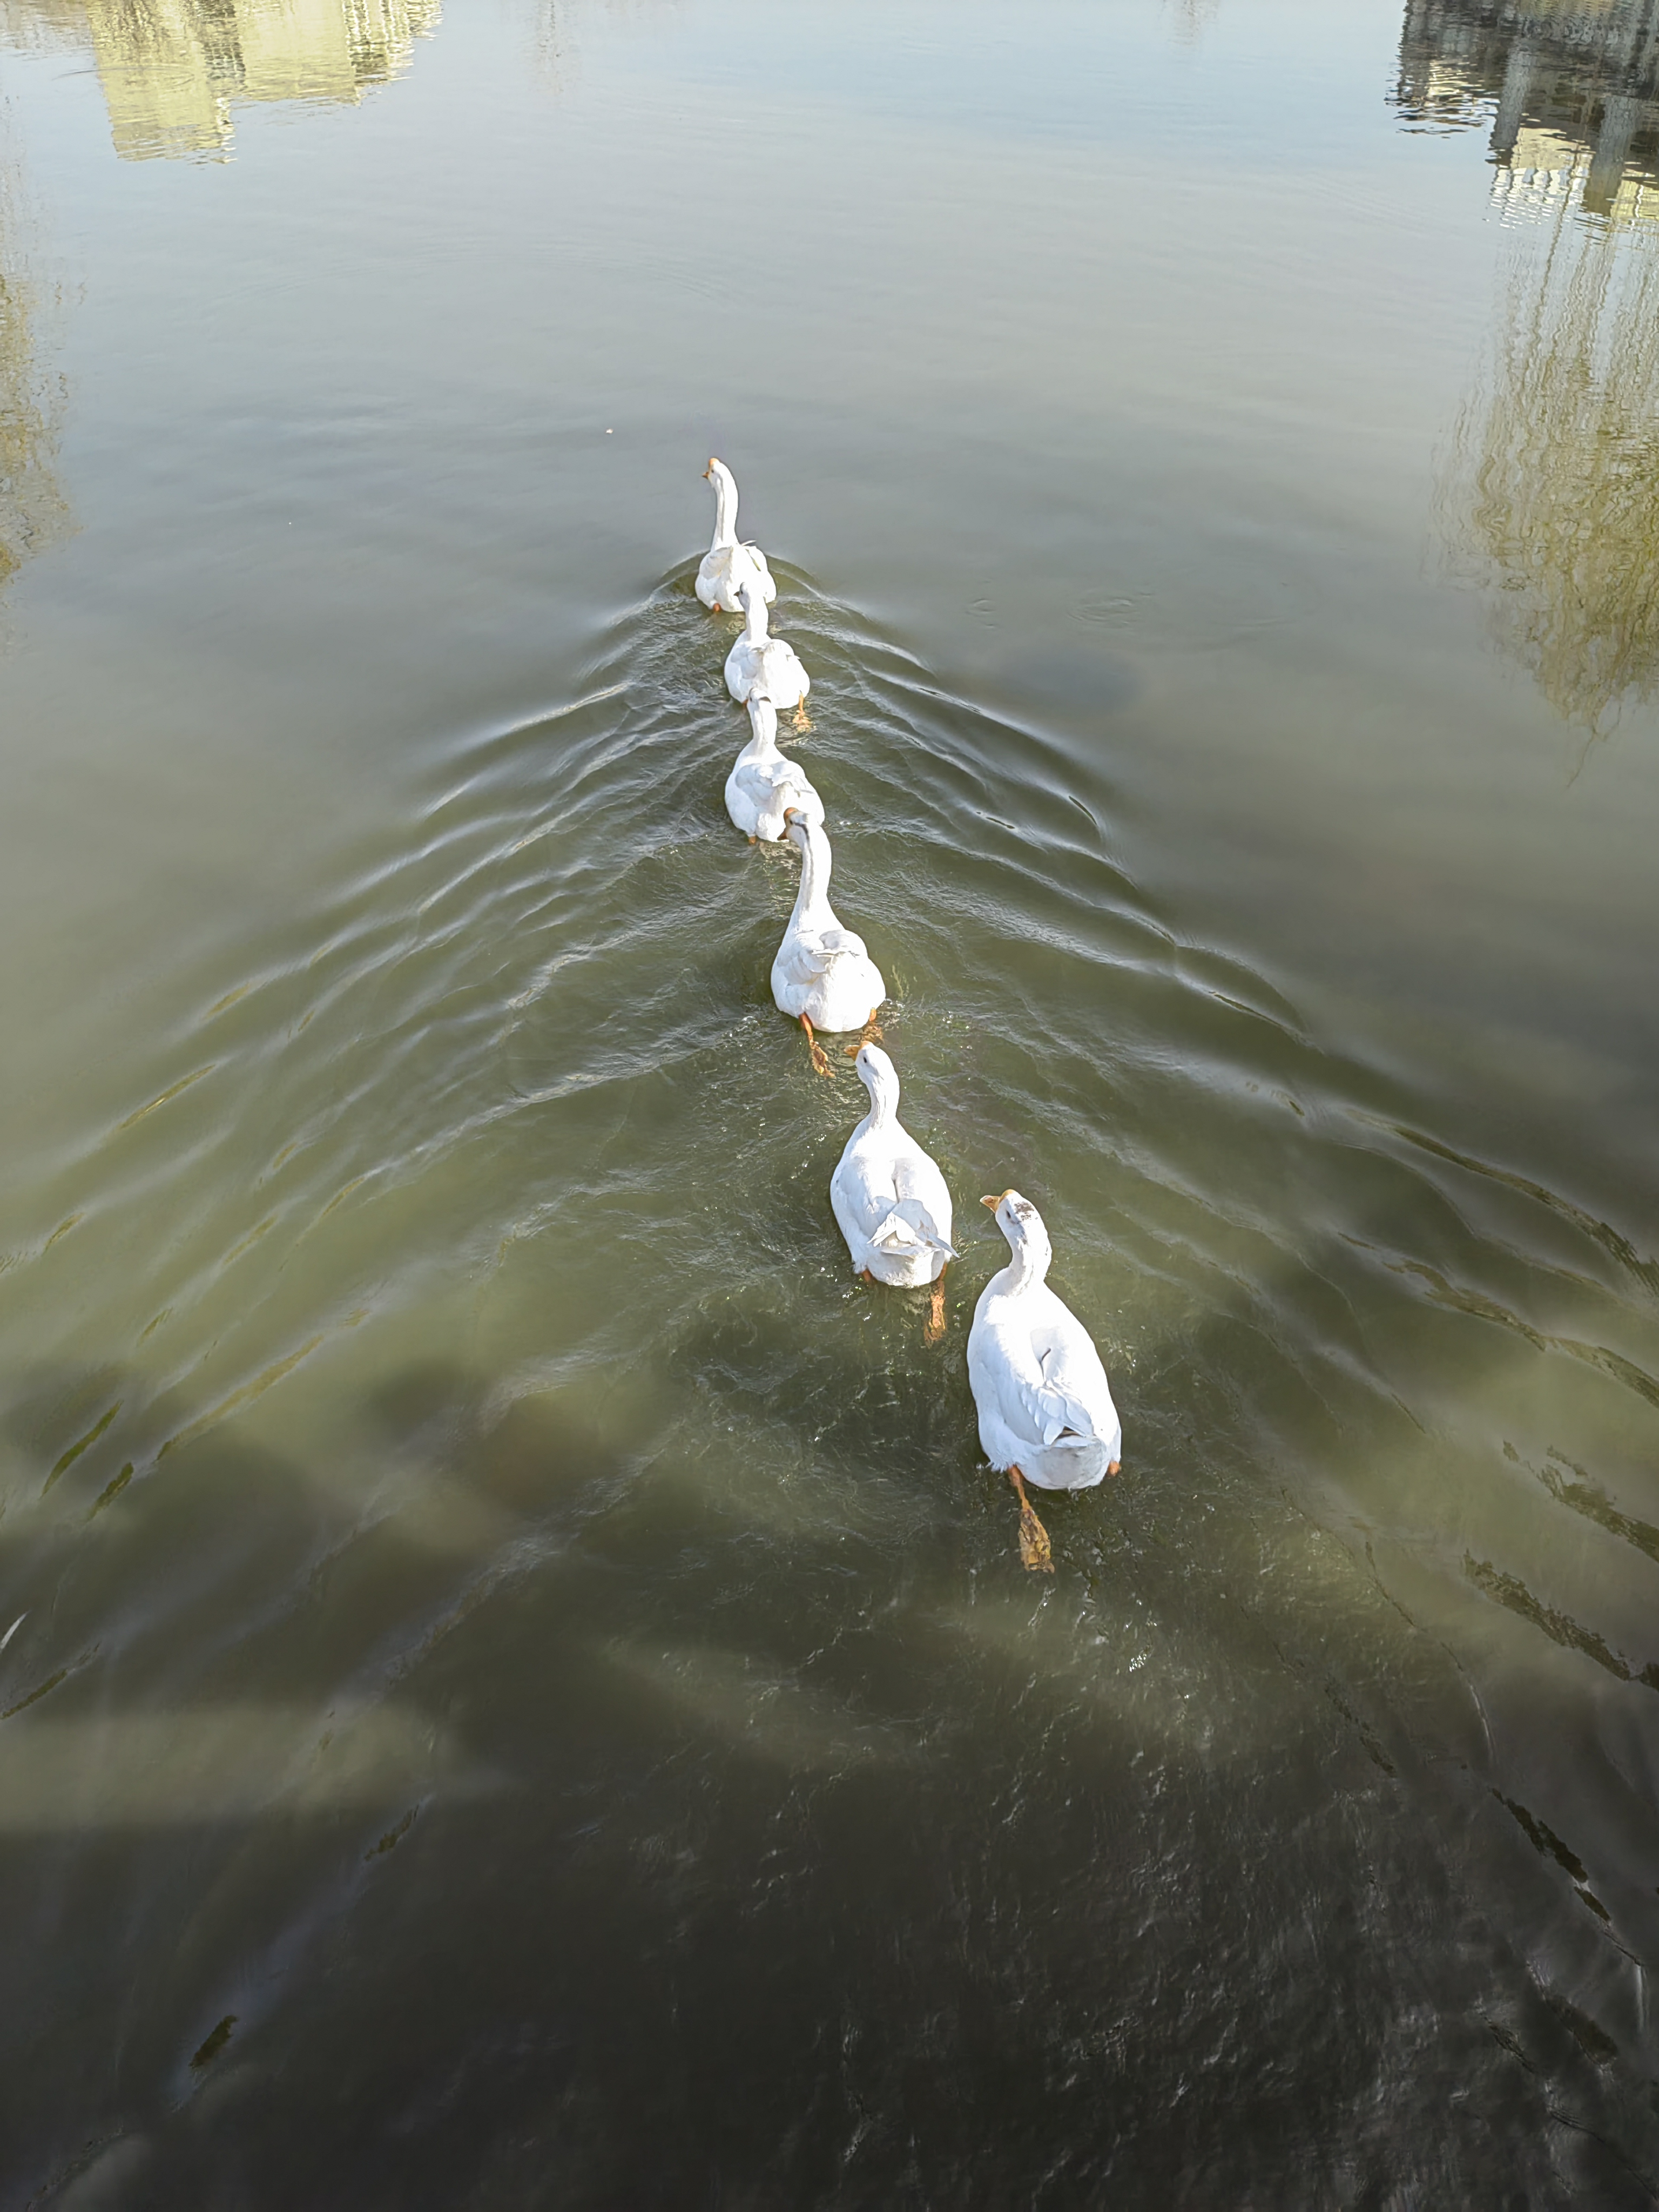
<point x="1548" y="497"/>
<point x="33" y="512"/>
<point x="1554" y="471"/>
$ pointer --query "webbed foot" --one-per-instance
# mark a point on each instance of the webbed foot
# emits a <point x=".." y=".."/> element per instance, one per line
<point x="1035" y="1553"/>
<point x="819" y="1062"/>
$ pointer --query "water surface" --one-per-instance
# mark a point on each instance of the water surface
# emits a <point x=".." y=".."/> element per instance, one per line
<point x="520" y="1689"/>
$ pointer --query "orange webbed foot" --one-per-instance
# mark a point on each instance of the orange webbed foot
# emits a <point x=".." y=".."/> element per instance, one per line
<point x="820" y="1061"/>
<point x="1036" y="1553"/>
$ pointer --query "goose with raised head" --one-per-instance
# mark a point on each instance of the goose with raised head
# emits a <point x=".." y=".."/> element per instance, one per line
<point x="888" y="1198"/>
<point x="760" y="662"/>
<point x="1045" y="1407"/>
<point x="765" y="783"/>
<point x="727" y="563"/>
<point x="822" y="977"/>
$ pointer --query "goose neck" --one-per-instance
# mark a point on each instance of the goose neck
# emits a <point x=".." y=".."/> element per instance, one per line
<point x="1028" y="1264"/>
<point x="764" y="731"/>
<point x="725" y="507"/>
<point x="883" y="1101"/>
<point x="812" y="899"/>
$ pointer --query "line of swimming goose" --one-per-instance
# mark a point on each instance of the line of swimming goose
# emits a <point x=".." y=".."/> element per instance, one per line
<point x="1045" y="1407"/>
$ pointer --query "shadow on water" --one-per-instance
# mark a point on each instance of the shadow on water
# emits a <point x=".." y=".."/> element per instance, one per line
<point x="717" y="1869"/>
<point x="620" y="1760"/>
<point x="823" y="1803"/>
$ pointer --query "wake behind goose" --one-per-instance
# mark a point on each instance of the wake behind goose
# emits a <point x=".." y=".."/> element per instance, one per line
<point x="1045" y="1407"/>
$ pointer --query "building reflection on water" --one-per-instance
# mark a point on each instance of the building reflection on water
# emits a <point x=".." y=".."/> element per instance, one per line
<point x="172" y="70"/>
<point x="1550" y="495"/>
<point x="1570" y="93"/>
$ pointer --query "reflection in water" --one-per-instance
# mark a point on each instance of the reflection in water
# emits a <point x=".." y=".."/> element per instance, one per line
<point x="655" y="1610"/>
<point x="1572" y="93"/>
<point x="1550" y="491"/>
<point x="1554" y="471"/>
<point x="31" y="508"/>
<point x="172" y="69"/>
<point x="207" y="1763"/>
<point x="1193" y="18"/>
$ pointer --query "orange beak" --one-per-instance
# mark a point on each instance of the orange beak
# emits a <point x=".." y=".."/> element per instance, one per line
<point x="994" y="1202"/>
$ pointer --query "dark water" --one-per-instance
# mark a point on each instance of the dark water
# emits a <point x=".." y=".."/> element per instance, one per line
<point x="522" y="1691"/>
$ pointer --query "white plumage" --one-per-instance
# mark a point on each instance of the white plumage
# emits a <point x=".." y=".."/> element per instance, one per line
<point x="727" y="564"/>
<point x="759" y="662"/>
<point x="1045" y="1406"/>
<point x="765" y="783"/>
<point x="821" y="977"/>
<point x="887" y="1195"/>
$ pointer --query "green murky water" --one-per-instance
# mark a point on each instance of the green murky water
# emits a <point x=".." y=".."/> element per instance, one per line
<point x="522" y="1691"/>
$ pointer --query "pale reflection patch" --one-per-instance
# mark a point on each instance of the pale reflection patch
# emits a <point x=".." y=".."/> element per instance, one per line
<point x="219" y="1762"/>
<point x="33" y="513"/>
<point x="1548" y="493"/>
<point x="1549" y="496"/>
<point x="172" y="70"/>
<point x="759" y="1709"/>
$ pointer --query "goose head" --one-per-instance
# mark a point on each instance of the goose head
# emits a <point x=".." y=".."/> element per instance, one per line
<point x="1022" y="1224"/>
<point x="725" y="504"/>
<point x="876" y="1072"/>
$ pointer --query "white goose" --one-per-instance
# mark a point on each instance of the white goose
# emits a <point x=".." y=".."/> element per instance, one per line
<point x="821" y="977"/>
<point x="1045" y="1406"/>
<point x="759" y="662"/>
<point x="726" y="563"/>
<point x="765" y="783"/>
<point x="889" y="1197"/>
